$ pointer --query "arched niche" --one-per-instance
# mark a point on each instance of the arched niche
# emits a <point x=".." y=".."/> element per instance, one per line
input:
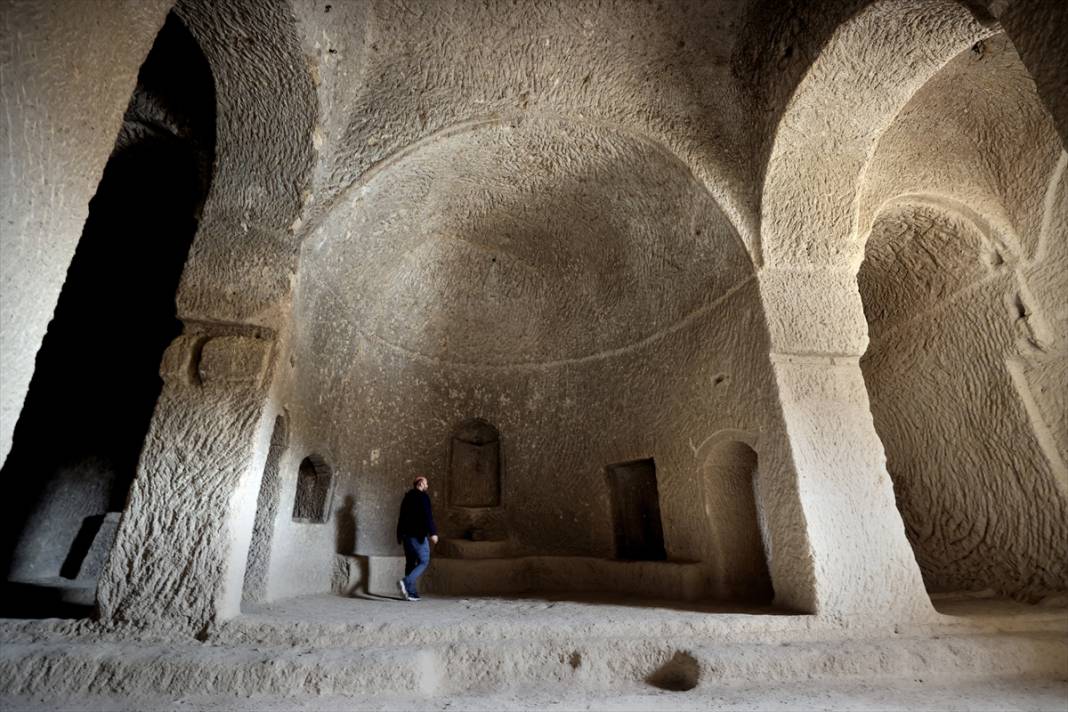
<point x="729" y="476"/>
<point x="311" y="503"/>
<point x="475" y="465"/>
<point x="955" y="371"/>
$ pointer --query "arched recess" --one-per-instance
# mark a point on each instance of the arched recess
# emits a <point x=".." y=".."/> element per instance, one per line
<point x="735" y="521"/>
<point x="949" y="409"/>
<point x="457" y="259"/>
<point x="312" y="499"/>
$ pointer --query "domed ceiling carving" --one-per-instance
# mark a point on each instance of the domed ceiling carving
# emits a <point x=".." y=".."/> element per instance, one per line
<point x="522" y="242"/>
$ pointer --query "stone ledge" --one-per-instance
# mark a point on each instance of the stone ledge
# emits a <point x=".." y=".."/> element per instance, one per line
<point x="527" y="574"/>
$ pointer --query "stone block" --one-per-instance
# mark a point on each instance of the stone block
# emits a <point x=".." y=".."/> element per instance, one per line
<point x="233" y="359"/>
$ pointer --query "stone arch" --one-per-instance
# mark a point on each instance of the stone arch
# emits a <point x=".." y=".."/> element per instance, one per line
<point x="239" y="268"/>
<point x="870" y="67"/>
<point x="210" y="430"/>
<point x="312" y="499"/>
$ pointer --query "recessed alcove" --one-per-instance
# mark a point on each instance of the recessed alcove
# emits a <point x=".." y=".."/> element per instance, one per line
<point x="475" y="465"/>
<point x="638" y="530"/>
<point x="729" y="479"/>
<point x="311" y="502"/>
<point x="518" y="309"/>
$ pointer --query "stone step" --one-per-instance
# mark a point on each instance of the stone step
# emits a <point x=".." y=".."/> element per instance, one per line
<point x="485" y="575"/>
<point x="104" y="668"/>
<point x="58" y="669"/>
<point x="373" y="620"/>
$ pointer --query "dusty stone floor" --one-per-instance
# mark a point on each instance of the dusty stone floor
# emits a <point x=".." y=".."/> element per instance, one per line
<point x="992" y="695"/>
<point x="574" y="653"/>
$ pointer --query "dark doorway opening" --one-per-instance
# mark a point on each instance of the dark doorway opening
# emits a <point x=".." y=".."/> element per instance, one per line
<point x="79" y="435"/>
<point x="639" y="533"/>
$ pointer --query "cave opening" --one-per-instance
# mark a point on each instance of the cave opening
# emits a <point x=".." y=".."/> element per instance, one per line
<point x="96" y="381"/>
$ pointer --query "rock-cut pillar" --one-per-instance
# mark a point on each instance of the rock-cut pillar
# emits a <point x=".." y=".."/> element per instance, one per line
<point x="179" y="556"/>
<point x="862" y="562"/>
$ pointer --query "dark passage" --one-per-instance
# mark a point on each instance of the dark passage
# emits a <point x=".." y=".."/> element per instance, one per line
<point x="636" y="511"/>
<point x="96" y="382"/>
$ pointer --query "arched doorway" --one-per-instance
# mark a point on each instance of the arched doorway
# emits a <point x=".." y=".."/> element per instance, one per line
<point x="962" y="284"/>
<point x="740" y="562"/>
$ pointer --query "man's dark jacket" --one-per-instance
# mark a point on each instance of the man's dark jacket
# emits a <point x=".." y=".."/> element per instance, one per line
<point x="415" y="519"/>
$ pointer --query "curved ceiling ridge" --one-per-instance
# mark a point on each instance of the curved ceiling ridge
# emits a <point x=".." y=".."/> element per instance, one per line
<point x="516" y="119"/>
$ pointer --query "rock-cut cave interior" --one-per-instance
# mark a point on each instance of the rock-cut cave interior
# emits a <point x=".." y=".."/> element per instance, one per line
<point x="731" y="336"/>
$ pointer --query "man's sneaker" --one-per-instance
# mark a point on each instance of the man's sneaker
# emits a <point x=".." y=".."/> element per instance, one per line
<point x="414" y="597"/>
<point x="404" y="591"/>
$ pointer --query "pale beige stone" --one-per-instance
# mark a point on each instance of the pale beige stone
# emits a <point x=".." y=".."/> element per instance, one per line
<point x="809" y="258"/>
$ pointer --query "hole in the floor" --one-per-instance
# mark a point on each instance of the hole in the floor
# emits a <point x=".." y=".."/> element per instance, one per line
<point x="679" y="674"/>
<point x="575" y="660"/>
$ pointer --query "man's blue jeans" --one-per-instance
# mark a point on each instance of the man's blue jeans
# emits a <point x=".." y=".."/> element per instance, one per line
<point x="416" y="559"/>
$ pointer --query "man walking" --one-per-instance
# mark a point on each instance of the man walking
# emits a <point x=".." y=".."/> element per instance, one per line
<point x="415" y="532"/>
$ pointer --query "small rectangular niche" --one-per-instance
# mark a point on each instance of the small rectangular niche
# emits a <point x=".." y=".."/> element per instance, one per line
<point x="639" y="533"/>
<point x="312" y="501"/>
<point x="475" y="466"/>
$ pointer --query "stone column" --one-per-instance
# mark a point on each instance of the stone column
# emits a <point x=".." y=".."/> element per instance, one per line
<point x="179" y="556"/>
<point x="862" y="562"/>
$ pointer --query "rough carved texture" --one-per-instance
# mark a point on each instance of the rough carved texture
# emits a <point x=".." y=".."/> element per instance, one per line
<point x="53" y="156"/>
<point x="979" y="497"/>
<point x="176" y="555"/>
<point x="267" y="509"/>
<point x="468" y="280"/>
<point x="850" y="94"/>
<point x="966" y="297"/>
<point x="240" y="266"/>
<point x="496" y="210"/>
